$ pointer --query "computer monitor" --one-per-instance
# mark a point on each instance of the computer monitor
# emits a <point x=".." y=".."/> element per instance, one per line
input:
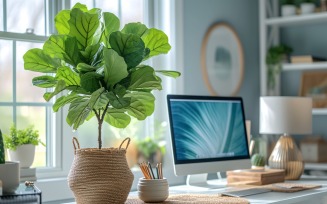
<point x="208" y="134"/>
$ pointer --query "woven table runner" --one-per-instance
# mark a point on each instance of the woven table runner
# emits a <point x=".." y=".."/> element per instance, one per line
<point x="195" y="199"/>
<point x="291" y="187"/>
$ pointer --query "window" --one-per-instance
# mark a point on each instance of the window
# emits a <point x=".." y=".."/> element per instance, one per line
<point x="23" y="27"/>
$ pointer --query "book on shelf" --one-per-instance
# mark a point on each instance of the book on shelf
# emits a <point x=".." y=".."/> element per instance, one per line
<point x="306" y="59"/>
<point x="26" y="172"/>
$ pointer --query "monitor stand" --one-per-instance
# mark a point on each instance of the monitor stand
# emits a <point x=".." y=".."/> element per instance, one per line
<point x="201" y="180"/>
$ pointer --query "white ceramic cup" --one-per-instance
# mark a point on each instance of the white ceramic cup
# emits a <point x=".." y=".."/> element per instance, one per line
<point x="288" y="10"/>
<point x="307" y="8"/>
<point x="154" y="190"/>
<point x="9" y="175"/>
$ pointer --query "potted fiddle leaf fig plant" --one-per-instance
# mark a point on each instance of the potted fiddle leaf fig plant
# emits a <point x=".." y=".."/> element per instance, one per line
<point x="99" y="71"/>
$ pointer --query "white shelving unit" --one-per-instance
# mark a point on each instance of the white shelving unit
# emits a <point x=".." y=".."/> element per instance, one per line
<point x="305" y="66"/>
<point x="270" y="22"/>
<point x="297" y="20"/>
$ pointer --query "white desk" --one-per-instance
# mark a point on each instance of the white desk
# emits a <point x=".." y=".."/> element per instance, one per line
<point x="314" y="196"/>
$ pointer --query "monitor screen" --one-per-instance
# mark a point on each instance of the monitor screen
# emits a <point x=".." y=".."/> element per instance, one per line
<point x="208" y="129"/>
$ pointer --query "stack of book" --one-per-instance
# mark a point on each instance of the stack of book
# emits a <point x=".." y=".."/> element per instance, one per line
<point x="27" y="174"/>
<point x="306" y="59"/>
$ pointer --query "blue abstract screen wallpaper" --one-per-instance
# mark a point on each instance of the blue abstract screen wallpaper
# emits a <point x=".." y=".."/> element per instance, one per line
<point x="208" y="129"/>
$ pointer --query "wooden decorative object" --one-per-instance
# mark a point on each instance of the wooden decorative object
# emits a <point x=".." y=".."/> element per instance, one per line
<point x="255" y="177"/>
<point x="314" y="84"/>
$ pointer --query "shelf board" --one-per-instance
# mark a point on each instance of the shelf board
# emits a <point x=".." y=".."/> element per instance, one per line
<point x="298" y="19"/>
<point x="305" y="66"/>
<point x="315" y="166"/>
<point x="319" y="111"/>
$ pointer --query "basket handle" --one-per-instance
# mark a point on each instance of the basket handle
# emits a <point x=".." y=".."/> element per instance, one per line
<point x="75" y="143"/>
<point x="128" y="141"/>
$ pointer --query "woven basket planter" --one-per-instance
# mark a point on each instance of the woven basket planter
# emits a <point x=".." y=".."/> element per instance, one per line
<point x="100" y="175"/>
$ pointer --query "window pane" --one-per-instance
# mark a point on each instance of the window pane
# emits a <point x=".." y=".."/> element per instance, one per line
<point x="22" y="14"/>
<point x="1" y="16"/>
<point x="107" y="6"/>
<point x="6" y="71"/>
<point x="132" y="11"/>
<point x="26" y="92"/>
<point x="6" y="112"/>
<point x="88" y="3"/>
<point x="26" y="116"/>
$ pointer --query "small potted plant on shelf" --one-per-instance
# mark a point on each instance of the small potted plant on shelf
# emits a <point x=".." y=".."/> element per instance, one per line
<point x="274" y="58"/>
<point x="9" y="171"/>
<point x="21" y="145"/>
<point x="288" y="8"/>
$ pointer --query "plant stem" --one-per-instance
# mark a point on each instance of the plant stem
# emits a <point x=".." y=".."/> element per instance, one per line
<point x="99" y="128"/>
<point x="100" y="122"/>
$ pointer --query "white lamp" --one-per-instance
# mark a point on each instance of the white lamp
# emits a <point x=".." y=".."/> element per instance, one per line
<point x="286" y="115"/>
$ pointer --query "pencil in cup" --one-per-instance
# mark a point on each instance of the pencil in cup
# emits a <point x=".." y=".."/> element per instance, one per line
<point x="148" y="171"/>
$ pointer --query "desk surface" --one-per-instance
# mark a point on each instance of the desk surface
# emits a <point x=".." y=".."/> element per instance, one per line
<point x="314" y="196"/>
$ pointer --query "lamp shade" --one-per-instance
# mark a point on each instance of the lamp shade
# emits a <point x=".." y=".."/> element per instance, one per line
<point x="285" y="115"/>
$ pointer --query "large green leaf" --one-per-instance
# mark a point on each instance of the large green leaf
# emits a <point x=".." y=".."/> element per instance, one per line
<point x="115" y="68"/>
<point x="61" y="85"/>
<point x="146" y="98"/>
<point x="83" y="68"/>
<point x="78" y="112"/>
<point x="117" y="118"/>
<point x="63" y="100"/>
<point x="157" y="41"/>
<point x="138" y="29"/>
<point x="118" y="102"/>
<point x="61" y="21"/>
<point x="98" y="99"/>
<point x="66" y="74"/>
<point x="102" y="102"/>
<point x="120" y="90"/>
<point x="169" y="73"/>
<point x="91" y="81"/>
<point x="44" y="81"/>
<point x="129" y="46"/>
<point x="111" y="24"/>
<point x="93" y="54"/>
<point x="137" y="109"/>
<point x="62" y="47"/>
<point x="144" y="78"/>
<point x="36" y="60"/>
<point x="85" y="26"/>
